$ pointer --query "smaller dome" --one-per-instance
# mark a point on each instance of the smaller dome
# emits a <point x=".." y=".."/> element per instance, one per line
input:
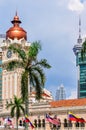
<point x="16" y="31"/>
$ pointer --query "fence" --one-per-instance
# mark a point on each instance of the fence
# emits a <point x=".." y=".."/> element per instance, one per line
<point x="49" y="126"/>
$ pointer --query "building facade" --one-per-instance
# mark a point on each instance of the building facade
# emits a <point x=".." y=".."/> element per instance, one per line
<point x="10" y="86"/>
<point x="59" y="109"/>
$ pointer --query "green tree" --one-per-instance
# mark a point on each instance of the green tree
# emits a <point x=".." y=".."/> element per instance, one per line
<point x="33" y="69"/>
<point x="17" y="108"/>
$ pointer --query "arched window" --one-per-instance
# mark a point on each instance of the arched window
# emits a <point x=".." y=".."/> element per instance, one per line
<point x="39" y="123"/>
<point x="65" y="122"/>
<point x="82" y="124"/>
<point x="54" y="126"/>
<point x="35" y="123"/>
<point x="43" y="122"/>
<point x="20" y="123"/>
<point x="69" y="123"/>
<point x="0" y="122"/>
<point x="77" y="124"/>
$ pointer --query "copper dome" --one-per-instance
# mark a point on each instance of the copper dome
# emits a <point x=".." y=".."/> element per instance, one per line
<point x="16" y="31"/>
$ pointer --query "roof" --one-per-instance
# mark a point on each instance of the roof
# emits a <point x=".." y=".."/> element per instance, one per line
<point x="69" y="103"/>
<point x="43" y="94"/>
<point x="16" y="31"/>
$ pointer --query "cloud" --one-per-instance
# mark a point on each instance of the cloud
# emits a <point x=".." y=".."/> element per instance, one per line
<point x="76" y="5"/>
<point x="73" y="94"/>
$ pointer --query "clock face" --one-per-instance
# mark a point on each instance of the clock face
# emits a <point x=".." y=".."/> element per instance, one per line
<point x="9" y="53"/>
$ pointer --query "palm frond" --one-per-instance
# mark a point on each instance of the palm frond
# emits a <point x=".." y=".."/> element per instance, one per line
<point x="17" y="49"/>
<point x="37" y="70"/>
<point x="22" y="109"/>
<point x="14" y="47"/>
<point x="43" y="63"/>
<point x="13" y="111"/>
<point x="14" y="64"/>
<point x="37" y="86"/>
<point x="34" y="49"/>
<point x="9" y="105"/>
<point x="16" y="107"/>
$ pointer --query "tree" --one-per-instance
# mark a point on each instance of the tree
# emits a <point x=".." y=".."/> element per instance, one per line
<point x="32" y="73"/>
<point x="17" y="106"/>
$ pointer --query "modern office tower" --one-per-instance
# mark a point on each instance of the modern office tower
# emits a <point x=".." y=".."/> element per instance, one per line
<point x="81" y="66"/>
<point x="60" y="93"/>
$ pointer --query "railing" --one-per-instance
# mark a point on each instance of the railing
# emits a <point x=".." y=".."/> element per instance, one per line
<point x="47" y="127"/>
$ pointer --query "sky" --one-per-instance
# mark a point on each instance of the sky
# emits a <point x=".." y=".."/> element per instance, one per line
<point x="55" y="24"/>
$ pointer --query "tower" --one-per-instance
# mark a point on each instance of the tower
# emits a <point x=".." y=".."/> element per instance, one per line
<point x="81" y="66"/>
<point x="11" y="79"/>
<point x="60" y="93"/>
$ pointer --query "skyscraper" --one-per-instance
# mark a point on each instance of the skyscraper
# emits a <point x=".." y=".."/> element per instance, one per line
<point x="81" y="66"/>
<point x="60" y="93"/>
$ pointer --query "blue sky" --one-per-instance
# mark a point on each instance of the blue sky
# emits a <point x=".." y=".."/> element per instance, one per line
<point x="55" y="24"/>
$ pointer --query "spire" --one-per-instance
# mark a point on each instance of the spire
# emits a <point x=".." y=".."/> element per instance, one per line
<point x="78" y="46"/>
<point x="16" y="13"/>
<point x="16" y="20"/>
<point x="79" y="40"/>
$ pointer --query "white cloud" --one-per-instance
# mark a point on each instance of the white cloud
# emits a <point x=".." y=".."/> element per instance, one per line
<point x="75" y="5"/>
<point x="73" y="94"/>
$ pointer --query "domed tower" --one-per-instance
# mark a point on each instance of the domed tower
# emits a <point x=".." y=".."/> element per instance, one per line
<point x="11" y="79"/>
<point x="16" y="31"/>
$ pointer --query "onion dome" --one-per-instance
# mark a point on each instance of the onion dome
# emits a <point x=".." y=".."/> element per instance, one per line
<point x="16" y="31"/>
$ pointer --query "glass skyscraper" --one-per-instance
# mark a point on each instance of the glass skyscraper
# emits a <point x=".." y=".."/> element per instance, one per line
<point x="81" y="66"/>
<point x="60" y="93"/>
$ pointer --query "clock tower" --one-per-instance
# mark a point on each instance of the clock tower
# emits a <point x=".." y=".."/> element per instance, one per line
<point x="11" y="80"/>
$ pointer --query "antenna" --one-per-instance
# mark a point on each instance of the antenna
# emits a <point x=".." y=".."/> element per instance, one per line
<point x="79" y="40"/>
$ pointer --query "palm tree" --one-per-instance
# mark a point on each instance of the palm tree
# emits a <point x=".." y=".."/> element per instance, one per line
<point x="17" y="106"/>
<point x="32" y="70"/>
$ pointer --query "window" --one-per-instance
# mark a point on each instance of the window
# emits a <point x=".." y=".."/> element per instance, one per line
<point x="43" y="122"/>
<point x="82" y="124"/>
<point x="20" y="122"/>
<point x="69" y="123"/>
<point x="77" y="124"/>
<point x="35" y="123"/>
<point x="65" y="123"/>
<point x="39" y="123"/>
